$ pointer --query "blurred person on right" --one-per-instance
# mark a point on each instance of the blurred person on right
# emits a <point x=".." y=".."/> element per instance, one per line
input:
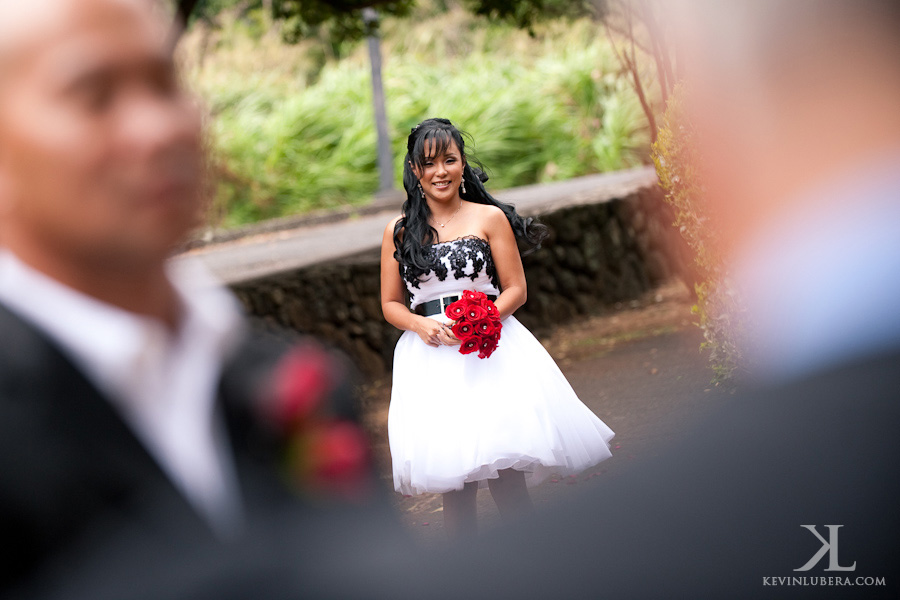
<point x="790" y="488"/>
<point x="796" y="105"/>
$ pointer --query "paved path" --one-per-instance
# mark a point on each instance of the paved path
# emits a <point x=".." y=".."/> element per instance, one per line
<point x="638" y="368"/>
<point x="257" y="256"/>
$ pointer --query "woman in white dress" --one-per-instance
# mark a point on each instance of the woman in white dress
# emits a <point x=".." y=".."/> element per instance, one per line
<point x="457" y="421"/>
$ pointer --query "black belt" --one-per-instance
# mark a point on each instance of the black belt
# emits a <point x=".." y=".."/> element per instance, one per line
<point x="433" y="307"/>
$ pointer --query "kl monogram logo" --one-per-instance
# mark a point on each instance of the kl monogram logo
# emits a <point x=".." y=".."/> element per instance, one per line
<point x="830" y="548"/>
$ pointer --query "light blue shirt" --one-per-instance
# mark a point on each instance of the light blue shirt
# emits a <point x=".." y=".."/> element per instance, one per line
<point x="822" y="285"/>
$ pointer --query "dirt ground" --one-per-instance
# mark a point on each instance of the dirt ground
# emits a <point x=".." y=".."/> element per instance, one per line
<point x="638" y="367"/>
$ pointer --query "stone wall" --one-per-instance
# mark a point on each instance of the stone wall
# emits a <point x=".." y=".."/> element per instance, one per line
<point x="598" y="254"/>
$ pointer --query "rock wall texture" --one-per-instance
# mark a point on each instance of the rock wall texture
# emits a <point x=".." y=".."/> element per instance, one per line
<point x="596" y="256"/>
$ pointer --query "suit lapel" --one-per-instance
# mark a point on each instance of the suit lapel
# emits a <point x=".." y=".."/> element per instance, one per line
<point x="101" y="464"/>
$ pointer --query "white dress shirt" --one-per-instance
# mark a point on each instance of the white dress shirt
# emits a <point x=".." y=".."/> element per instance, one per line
<point x="822" y="284"/>
<point x="163" y="383"/>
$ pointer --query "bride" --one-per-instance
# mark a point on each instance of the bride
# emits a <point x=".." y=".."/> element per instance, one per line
<point x="457" y="421"/>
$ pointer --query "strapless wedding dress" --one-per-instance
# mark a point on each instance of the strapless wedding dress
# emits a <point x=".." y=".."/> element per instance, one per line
<point x="457" y="418"/>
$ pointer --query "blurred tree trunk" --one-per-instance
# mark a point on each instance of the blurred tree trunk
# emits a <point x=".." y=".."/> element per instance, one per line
<point x="385" y="160"/>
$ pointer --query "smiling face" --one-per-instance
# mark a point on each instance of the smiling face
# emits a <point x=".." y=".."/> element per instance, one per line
<point x="441" y="172"/>
<point x="100" y="147"/>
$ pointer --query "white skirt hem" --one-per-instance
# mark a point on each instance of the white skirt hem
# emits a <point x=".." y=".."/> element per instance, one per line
<point x="456" y="419"/>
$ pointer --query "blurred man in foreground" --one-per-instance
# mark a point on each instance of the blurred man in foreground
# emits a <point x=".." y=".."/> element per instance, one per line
<point x="131" y="463"/>
<point x="789" y="490"/>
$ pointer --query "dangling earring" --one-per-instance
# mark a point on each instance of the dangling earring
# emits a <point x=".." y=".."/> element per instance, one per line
<point x="462" y="188"/>
<point x="421" y="189"/>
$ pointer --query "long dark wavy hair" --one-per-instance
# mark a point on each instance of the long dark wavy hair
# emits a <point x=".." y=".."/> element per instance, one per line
<point x="413" y="233"/>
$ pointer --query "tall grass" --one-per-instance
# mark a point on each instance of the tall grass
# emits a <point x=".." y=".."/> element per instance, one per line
<point x="288" y="138"/>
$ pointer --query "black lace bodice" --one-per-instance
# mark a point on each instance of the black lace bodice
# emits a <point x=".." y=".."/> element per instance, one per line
<point x="467" y="260"/>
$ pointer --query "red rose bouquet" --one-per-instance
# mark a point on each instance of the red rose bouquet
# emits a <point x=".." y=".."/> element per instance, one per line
<point x="477" y="323"/>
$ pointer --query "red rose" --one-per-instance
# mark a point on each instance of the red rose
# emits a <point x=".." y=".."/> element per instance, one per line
<point x="301" y="382"/>
<point x="463" y="330"/>
<point x="487" y="327"/>
<point x="334" y="456"/>
<point x="456" y="310"/>
<point x="470" y="345"/>
<point x="475" y="313"/>
<point x="487" y="347"/>
<point x="490" y="308"/>
<point x="473" y="297"/>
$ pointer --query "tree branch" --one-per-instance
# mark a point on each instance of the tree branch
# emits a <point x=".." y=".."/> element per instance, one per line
<point x="660" y="54"/>
<point x="612" y="28"/>
<point x="629" y="63"/>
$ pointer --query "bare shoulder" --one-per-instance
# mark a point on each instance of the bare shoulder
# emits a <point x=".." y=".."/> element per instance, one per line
<point x="494" y="219"/>
<point x="489" y="211"/>
<point x="389" y="229"/>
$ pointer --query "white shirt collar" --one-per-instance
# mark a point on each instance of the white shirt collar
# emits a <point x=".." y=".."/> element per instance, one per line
<point x="106" y="341"/>
<point x="163" y="384"/>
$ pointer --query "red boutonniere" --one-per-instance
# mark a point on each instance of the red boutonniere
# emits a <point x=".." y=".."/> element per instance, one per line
<point x="324" y="453"/>
<point x="477" y="323"/>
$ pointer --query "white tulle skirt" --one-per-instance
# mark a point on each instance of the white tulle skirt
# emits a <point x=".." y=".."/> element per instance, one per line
<point x="457" y="418"/>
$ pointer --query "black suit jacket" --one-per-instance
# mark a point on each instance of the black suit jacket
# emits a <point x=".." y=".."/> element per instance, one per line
<point x="86" y="511"/>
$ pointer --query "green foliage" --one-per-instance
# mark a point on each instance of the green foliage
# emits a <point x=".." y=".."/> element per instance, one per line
<point x="526" y="13"/>
<point x="538" y="109"/>
<point x="336" y="23"/>
<point x="340" y="22"/>
<point x="718" y="309"/>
